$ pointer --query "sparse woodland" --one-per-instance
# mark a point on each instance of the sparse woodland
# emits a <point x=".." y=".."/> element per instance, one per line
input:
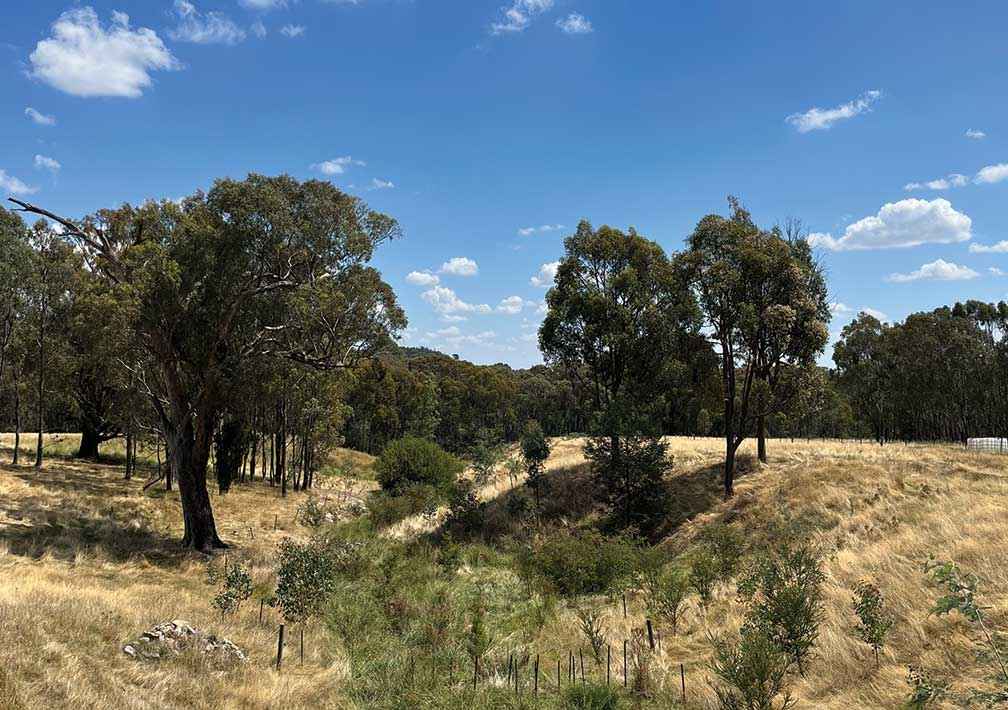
<point x="680" y="508"/>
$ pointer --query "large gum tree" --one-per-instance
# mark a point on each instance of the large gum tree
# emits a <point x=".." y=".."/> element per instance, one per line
<point x="255" y="269"/>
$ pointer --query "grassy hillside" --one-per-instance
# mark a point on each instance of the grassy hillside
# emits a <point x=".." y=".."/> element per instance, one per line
<point x="88" y="561"/>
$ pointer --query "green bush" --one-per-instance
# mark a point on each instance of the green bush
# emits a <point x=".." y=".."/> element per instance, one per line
<point x="306" y="579"/>
<point x="589" y="696"/>
<point x="410" y="461"/>
<point x="578" y="563"/>
<point x="236" y="587"/>
<point x="665" y="591"/>
<point x="631" y="478"/>
<point x="386" y="509"/>
<point x="874" y="621"/>
<point x="704" y="573"/>
<point x="535" y="449"/>
<point x="751" y="672"/>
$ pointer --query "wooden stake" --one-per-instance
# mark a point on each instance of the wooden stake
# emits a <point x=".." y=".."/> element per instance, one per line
<point x="624" y="664"/>
<point x="608" y="664"/>
<point x="682" y="676"/>
<point x="558" y="675"/>
<point x="650" y="634"/>
<point x="537" y="675"/>
<point x="624" y="605"/>
<point x="581" y="657"/>
<point x="280" y="642"/>
<point x="261" y="603"/>
<point x="302" y="645"/>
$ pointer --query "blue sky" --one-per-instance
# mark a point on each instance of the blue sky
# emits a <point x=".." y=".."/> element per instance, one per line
<point x="474" y="121"/>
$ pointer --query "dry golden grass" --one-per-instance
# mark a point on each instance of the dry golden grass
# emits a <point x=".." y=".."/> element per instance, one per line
<point x="88" y="561"/>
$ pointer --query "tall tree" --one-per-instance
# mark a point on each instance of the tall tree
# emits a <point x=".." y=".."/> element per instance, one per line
<point x="15" y="269"/>
<point x="259" y="268"/>
<point x="764" y="302"/>
<point x="618" y="316"/>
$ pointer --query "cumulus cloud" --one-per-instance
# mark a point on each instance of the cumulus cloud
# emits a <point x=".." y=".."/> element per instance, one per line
<point x="460" y="266"/>
<point x="876" y="314"/>
<point x="820" y="119"/>
<point x="906" y="223"/>
<point x="513" y="305"/>
<point x="446" y="302"/>
<point x="953" y="180"/>
<point x="14" y="186"/>
<point x="575" y="24"/>
<point x="422" y="278"/>
<point x="837" y="308"/>
<point x="40" y="118"/>
<point x="263" y="5"/>
<point x="529" y="231"/>
<point x="546" y="276"/>
<point x="519" y="15"/>
<point x="203" y="28"/>
<point x="379" y="184"/>
<point x="85" y="58"/>
<point x="336" y="166"/>
<point x="292" y="31"/>
<point x="992" y="174"/>
<point x="259" y="29"/>
<point x="44" y="163"/>
<point x="975" y="134"/>
<point x="995" y="271"/>
<point x="938" y="270"/>
<point x="999" y="248"/>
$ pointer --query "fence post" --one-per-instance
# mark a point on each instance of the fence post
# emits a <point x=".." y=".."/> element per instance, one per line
<point x="537" y="675"/>
<point x="261" y="602"/>
<point x="280" y="642"/>
<point x="682" y="676"/>
<point x="608" y="664"/>
<point x="302" y="645"/>
<point x="581" y="660"/>
<point x="650" y="634"/>
<point x="475" y="670"/>
<point x="624" y="664"/>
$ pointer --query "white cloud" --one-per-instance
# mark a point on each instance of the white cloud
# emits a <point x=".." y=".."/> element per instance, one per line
<point x="422" y="278"/>
<point x="995" y="271"/>
<point x="292" y="31"/>
<point x="999" y="248"/>
<point x="906" y="223"/>
<point x="13" y="185"/>
<point x="44" y="163"/>
<point x="546" y="276"/>
<point x="40" y="118"/>
<point x="336" y="166"/>
<point x="204" y="28"/>
<point x="453" y="319"/>
<point x="460" y="266"/>
<point x="529" y="231"/>
<point x="519" y="15"/>
<point x="575" y="24"/>
<point x="819" y="119"/>
<point x="953" y="180"/>
<point x="259" y="29"/>
<point x="263" y="5"/>
<point x="876" y="314"/>
<point x="83" y="58"/>
<point x="975" y="134"/>
<point x="446" y="302"/>
<point x="938" y="270"/>
<point x="837" y="308"/>
<point x="513" y="305"/>
<point x="378" y="184"/>
<point x="992" y="174"/>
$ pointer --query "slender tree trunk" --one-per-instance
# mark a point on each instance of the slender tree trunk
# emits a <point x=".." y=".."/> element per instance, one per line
<point x="40" y="404"/>
<point x="17" y="423"/>
<point x="761" y="438"/>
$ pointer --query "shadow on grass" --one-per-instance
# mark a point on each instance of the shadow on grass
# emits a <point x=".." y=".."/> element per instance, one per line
<point x="571" y="499"/>
<point x="66" y="512"/>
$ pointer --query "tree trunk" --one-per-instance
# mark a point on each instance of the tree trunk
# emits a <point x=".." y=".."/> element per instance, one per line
<point x="90" y="440"/>
<point x="761" y="438"/>
<point x="17" y="423"/>
<point x="40" y="404"/>
<point x="729" y="470"/>
<point x="189" y="453"/>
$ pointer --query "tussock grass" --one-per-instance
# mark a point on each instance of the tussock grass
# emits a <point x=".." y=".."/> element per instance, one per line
<point x="88" y="561"/>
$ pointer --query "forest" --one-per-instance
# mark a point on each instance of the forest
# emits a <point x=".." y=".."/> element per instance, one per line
<point x="231" y="342"/>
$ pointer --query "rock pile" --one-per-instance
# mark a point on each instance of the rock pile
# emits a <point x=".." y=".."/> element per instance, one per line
<point x="174" y="637"/>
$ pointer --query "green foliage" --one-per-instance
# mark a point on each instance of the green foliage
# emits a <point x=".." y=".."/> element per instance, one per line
<point x="784" y="591"/>
<point x="705" y="571"/>
<point x="666" y="591"/>
<point x="236" y="587"/>
<point x="578" y="563"/>
<point x="590" y="696"/>
<point x="874" y="621"/>
<point x="484" y="456"/>
<point x="312" y="512"/>
<point x="386" y="509"/>
<point x="726" y="545"/>
<point x="631" y="475"/>
<point x="751" y="672"/>
<point x="535" y="449"/>
<point x="466" y="512"/>
<point x="593" y="630"/>
<point x="411" y="461"/>
<point x="924" y="689"/>
<point x="307" y="574"/>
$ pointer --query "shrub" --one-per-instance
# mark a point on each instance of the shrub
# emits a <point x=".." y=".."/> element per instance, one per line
<point x="535" y="449"/>
<point x="579" y="563"/>
<point x="784" y="589"/>
<point x="313" y="512"/>
<point x="632" y="480"/>
<point x="485" y="454"/>
<point x="725" y="543"/>
<point x="410" y="461"/>
<point x="704" y="573"/>
<point x="590" y="623"/>
<point x="386" y="509"/>
<point x="873" y="620"/>
<point x="306" y="578"/>
<point x="236" y="587"/>
<point x="665" y="591"/>
<point x="466" y="511"/>
<point x="590" y="696"/>
<point x="751" y="672"/>
<point x="924" y="689"/>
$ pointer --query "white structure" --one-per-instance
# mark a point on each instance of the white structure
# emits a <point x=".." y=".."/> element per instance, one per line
<point x="988" y="445"/>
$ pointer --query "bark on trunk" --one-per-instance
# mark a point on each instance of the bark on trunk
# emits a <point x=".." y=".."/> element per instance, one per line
<point x="761" y="438"/>
<point x="189" y="453"/>
<point x="90" y="440"/>
<point x="17" y="423"/>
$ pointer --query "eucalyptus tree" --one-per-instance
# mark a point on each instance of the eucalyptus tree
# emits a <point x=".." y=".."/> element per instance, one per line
<point x="764" y="302"/>
<point x="261" y="268"/>
<point x="617" y="320"/>
<point x="15" y="267"/>
<point x="865" y="359"/>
